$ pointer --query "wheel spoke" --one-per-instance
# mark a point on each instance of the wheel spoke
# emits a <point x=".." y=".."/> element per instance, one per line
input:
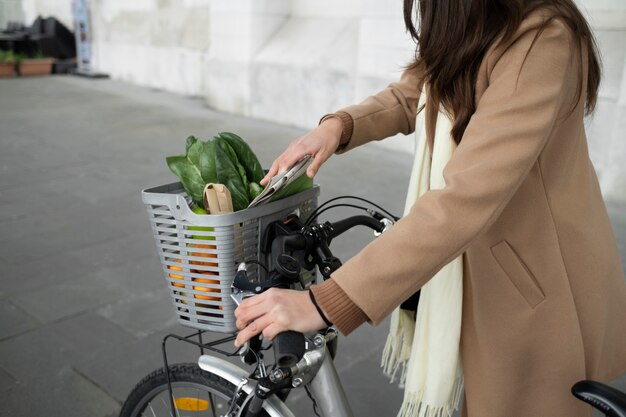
<point x="212" y="404"/>
<point x="152" y="409"/>
<point x="167" y="407"/>
<point x="191" y="389"/>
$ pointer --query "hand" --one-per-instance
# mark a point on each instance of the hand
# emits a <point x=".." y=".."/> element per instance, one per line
<point x="320" y="142"/>
<point x="275" y="311"/>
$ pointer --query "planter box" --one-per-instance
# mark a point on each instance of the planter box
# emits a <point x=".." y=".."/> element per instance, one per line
<point x="36" y="66"/>
<point x="7" y="69"/>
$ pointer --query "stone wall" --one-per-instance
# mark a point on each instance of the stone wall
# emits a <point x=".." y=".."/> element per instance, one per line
<point x="291" y="61"/>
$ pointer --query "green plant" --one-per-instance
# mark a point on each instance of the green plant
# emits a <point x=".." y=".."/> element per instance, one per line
<point x="7" y="57"/>
<point x="19" y="57"/>
<point x="226" y="159"/>
<point x="216" y="161"/>
<point x="37" y="55"/>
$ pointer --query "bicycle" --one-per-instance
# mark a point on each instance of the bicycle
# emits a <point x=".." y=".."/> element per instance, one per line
<point x="215" y="386"/>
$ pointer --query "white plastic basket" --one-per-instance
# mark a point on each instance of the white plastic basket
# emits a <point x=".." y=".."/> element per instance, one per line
<point x="200" y="253"/>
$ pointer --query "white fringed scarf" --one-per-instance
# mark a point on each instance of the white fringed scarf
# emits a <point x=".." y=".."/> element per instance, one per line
<point x="425" y="352"/>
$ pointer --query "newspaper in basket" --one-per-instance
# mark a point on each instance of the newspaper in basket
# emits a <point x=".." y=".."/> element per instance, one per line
<point x="200" y="253"/>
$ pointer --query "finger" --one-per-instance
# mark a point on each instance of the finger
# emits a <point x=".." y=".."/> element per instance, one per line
<point x="280" y="165"/>
<point x="250" y="310"/>
<point x="272" y="171"/>
<point x="240" y="324"/>
<point x="283" y="168"/>
<point x="245" y="321"/>
<point x="252" y="329"/>
<point x="272" y="330"/>
<point x="249" y="302"/>
<point x="243" y="336"/>
<point x="278" y="169"/>
<point x="315" y="165"/>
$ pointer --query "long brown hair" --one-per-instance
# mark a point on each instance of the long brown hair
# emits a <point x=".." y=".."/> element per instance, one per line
<point x="454" y="36"/>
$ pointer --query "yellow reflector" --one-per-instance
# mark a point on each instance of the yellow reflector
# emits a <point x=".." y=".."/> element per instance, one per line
<point x="191" y="404"/>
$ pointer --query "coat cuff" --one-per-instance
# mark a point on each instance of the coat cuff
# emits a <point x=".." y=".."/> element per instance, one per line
<point x="338" y="307"/>
<point x="348" y="128"/>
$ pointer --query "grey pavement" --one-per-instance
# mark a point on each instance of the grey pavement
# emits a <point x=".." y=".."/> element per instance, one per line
<point x="83" y="304"/>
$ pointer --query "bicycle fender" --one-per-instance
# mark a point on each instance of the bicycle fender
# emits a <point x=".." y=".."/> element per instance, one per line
<point x="234" y="374"/>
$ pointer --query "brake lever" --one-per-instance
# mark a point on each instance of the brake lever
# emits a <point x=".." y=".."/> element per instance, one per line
<point x="238" y="295"/>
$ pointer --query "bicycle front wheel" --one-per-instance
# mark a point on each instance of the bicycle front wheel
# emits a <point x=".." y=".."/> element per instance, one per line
<point x="196" y="393"/>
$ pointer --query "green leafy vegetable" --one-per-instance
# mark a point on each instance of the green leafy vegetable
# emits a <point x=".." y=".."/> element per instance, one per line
<point x="226" y="159"/>
<point x="248" y="159"/>
<point x="189" y="176"/>
<point x="254" y="190"/>
<point x="228" y="174"/>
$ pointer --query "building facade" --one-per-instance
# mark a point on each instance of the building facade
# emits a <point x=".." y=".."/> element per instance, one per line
<point x="291" y="61"/>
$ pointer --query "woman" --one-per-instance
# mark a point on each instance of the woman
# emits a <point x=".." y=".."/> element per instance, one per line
<point x="544" y="296"/>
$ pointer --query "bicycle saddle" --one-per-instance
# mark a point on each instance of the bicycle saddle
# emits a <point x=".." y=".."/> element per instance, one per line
<point x="609" y="400"/>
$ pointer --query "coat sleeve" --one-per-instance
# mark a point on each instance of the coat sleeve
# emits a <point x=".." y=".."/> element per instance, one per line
<point x="530" y="87"/>
<point x="385" y="114"/>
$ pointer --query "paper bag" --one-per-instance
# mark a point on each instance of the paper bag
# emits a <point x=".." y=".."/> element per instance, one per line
<point x="217" y="199"/>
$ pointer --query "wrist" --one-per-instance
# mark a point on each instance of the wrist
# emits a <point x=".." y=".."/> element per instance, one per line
<point x="342" y="127"/>
<point x="333" y="123"/>
<point x="319" y="309"/>
<point x="333" y="127"/>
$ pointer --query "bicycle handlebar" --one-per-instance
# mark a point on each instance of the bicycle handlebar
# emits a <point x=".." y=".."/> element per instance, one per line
<point x="314" y="241"/>
<point x="346" y="224"/>
<point x="309" y="244"/>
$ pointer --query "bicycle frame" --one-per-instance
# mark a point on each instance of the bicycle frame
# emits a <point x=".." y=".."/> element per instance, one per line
<point x="318" y="373"/>
<point x="325" y="386"/>
<point x="239" y="377"/>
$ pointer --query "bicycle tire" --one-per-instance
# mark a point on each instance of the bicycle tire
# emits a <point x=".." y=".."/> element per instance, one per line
<point x="184" y="377"/>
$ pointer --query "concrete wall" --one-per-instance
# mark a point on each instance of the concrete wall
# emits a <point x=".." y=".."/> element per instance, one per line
<point x="299" y="59"/>
<point x="291" y="61"/>
<point x="155" y="43"/>
<point x="10" y="11"/>
<point x="607" y="127"/>
<point x="61" y="9"/>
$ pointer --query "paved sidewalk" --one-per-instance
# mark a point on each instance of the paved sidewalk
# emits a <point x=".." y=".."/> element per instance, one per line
<point x="83" y="306"/>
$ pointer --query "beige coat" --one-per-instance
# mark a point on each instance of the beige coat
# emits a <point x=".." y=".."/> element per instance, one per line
<point x="544" y="301"/>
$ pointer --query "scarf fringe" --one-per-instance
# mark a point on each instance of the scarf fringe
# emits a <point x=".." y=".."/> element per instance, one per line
<point x="413" y="406"/>
<point x="397" y="351"/>
<point x="423" y="349"/>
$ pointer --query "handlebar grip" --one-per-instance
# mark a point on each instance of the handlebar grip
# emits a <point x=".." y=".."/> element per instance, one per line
<point x="343" y="225"/>
<point x="288" y="348"/>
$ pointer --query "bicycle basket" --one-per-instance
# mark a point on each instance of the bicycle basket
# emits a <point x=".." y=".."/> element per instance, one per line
<point x="200" y="253"/>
